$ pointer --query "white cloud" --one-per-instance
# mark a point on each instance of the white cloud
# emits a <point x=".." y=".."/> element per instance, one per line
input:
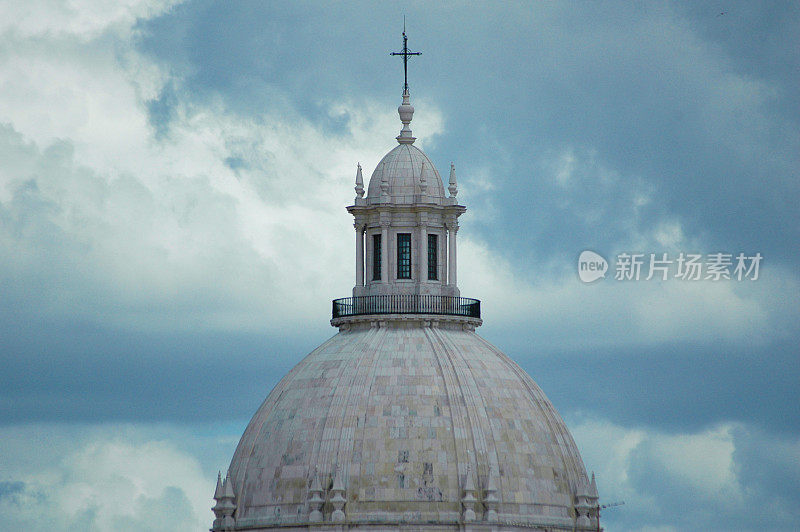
<point x="83" y="19"/>
<point x="101" y="478"/>
<point x="112" y="224"/>
<point x="560" y="311"/>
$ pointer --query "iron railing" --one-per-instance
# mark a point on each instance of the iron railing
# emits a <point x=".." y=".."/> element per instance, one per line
<point x="406" y="304"/>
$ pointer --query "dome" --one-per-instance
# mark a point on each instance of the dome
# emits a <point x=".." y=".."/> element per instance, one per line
<point x="402" y="169"/>
<point x="406" y="418"/>
<point x="405" y="422"/>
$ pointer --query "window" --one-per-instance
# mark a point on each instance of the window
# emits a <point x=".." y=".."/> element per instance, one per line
<point x="433" y="266"/>
<point x="404" y="255"/>
<point x="376" y="257"/>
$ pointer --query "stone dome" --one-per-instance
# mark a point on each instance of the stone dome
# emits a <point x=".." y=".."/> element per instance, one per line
<point x="402" y="169"/>
<point x="408" y="421"/>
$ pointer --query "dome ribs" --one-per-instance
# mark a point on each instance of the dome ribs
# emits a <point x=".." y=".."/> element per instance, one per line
<point x="372" y="347"/>
<point x="459" y="411"/>
<point x="492" y="465"/>
<point x="476" y="412"/>
<point x="253" y="432"/>
<point x="539" y="401"/>
<point x="324" y="454"/>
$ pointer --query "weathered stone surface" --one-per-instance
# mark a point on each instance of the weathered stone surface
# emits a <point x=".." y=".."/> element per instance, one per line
<point x="402" y="413"/>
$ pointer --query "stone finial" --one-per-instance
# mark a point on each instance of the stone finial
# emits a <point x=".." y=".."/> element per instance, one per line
<point x="338" y="497"/>
<point x="359" y="182"/>
<point x="491" y="501"/>
<point x="592" y="500"/>
<point x="453" y="188"/>
<point x="225" y="505"/>
<point x="583" y="506"/>
<point x="406" y="112"/>
<point x="469" y="499"/>
<point x="423" y="183"/>
<point x="315" y="500"/>
<point x="218" y="490"/>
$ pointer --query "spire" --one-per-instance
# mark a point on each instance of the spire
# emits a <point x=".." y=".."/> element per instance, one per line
<point x="593" y="488"/>
<point x="315" y="500"/>
<point x="225" y="505"/>
<point x="338" y="496"/>
<point x="406" y="110"/>
<point x="227" y="487"/>
<point x="469" y="499"/>
<point x="218" y="491"/>
<point x="491" y="501"/>
<point x="453" y="188"/>
<point x="359" y="182"/>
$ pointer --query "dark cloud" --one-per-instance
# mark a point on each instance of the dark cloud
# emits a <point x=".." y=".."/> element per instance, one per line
<point x="677" y="387"/>
<point x="659" y="95"/>
<point x="572" y="128"/>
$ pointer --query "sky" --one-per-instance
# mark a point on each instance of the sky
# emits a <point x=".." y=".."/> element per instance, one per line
<point x="172" y="230"/>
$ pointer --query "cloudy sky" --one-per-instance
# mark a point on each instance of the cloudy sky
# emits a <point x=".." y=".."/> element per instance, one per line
<point x="172" y="229"/>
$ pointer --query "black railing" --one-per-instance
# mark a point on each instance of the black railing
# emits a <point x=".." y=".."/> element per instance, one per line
<point x="406" y="304"/>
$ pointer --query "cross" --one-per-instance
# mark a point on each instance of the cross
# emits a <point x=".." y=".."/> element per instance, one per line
<point x="405" y="53"/>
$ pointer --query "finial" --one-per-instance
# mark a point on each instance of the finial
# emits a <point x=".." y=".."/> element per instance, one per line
<point x="218" y="491"/>
<point x="359" y="182"/>
<point x="593" y="488"/>
<point x="338" y="498"/>
<point x="227" y="487"/>
<point x="468" y="500"/>
<point x="406" y="112"/>
<point x="453" y="188"/>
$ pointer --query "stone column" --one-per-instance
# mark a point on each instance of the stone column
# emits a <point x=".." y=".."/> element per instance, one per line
<point x="359" y="254"/>
<point x="384" y="253"/>
<point x="452" y="263"/>
<point x="423" y="253"/>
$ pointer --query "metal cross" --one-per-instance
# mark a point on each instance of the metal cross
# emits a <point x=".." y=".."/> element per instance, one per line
<point x="405" y="53"/>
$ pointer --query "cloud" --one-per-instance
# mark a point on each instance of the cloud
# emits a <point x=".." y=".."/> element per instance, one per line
<point x="100" y="478"/>
<point x="208" y="219"/>
<point x="557" y="310"/>
<point x="707" y="475"/>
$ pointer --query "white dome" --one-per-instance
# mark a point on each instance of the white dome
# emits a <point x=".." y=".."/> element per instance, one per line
<point x="401" y="168"/>
<point x="403" y="415"/>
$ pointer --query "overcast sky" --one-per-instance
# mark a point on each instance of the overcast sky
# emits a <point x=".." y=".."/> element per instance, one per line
<point x="173" y="180"/>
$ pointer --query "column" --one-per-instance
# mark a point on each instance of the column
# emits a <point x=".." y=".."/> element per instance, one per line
<point x="451" y="263"/>
<point x="359" y="254"/>
<point x="384" y="253"/>
<point x="423" y="253"/>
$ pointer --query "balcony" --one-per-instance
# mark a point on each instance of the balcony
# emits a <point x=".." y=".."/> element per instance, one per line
<point x="407" y="304"/>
